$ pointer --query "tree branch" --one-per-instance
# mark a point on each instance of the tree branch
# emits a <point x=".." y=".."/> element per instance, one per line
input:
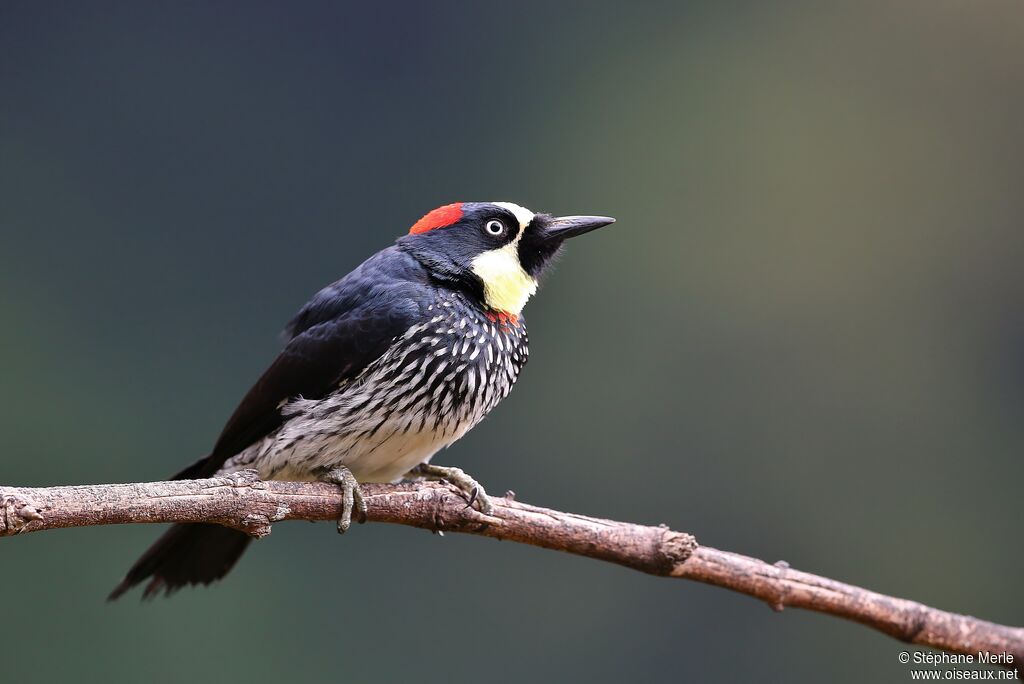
<point x="244" y="502"/>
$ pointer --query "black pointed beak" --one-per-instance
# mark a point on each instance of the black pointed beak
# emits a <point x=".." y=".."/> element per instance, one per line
<point x="565" y="227"/>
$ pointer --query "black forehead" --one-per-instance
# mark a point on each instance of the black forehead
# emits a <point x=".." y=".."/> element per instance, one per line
<point x="481" y="211"/>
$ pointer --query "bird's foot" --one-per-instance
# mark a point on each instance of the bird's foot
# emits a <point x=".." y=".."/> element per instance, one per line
<point x="351" y="496"/>
<point x="457" y="477"/>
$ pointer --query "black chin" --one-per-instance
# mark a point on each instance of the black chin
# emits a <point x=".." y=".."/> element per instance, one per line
<point x="537" y="249"/>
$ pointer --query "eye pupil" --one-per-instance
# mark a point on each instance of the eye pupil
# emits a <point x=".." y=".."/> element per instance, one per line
<point x="495" y="227"/>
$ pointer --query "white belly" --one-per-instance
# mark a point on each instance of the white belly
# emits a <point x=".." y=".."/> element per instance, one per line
<point x="384" y="457"/>
<point x="302" y="448"/>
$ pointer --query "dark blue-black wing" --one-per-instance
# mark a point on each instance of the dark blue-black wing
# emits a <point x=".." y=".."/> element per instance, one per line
<point x="344" y="328"/>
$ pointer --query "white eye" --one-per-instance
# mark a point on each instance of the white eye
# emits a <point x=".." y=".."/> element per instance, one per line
<point x="494" y="227"/>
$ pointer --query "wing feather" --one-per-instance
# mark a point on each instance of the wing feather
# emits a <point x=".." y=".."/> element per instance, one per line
<point x="343" y="329"/>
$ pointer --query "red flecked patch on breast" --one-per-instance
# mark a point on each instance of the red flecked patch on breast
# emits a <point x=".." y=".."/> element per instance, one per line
<point x="503" y="318"/>
<point x="438" y="218"/>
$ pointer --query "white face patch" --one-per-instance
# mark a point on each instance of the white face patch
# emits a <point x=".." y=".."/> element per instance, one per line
<point x="507" y="287"/>
<point x="522" y="214"/>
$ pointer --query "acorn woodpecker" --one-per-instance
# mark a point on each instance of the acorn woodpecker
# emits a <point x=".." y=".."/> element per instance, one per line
<point x="381" y="370"/>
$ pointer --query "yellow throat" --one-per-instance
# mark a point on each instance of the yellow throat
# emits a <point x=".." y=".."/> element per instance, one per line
<point x="507" y="286"/>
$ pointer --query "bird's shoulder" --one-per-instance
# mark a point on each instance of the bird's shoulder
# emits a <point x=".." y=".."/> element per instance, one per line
<point x="385" y="279"/>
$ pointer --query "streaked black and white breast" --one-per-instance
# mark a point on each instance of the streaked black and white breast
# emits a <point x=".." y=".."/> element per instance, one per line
<point x="434" y="383"/>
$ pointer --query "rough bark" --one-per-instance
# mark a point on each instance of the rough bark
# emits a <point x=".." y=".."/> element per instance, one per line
<point x="244" y="502"/>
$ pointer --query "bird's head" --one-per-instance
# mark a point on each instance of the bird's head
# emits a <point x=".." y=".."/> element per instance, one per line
<point x="495" y="250"/>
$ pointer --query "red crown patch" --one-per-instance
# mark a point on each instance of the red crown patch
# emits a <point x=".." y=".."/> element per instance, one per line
<point x="438" y="218"/>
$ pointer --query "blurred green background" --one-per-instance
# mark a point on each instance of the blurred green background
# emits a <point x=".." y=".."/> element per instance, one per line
<point x="804" y="339"/>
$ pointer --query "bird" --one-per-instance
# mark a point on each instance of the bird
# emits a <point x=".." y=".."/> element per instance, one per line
<point x="380" y="370"/>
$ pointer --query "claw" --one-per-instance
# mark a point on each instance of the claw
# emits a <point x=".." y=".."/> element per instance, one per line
<point x="484" y="504"/>
<point x="351" y="497"/>
<point x="360" y="505"/>
<point x="474" y="492"/>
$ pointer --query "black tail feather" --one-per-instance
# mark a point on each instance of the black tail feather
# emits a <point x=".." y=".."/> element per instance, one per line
<point x="186" y="554"/>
